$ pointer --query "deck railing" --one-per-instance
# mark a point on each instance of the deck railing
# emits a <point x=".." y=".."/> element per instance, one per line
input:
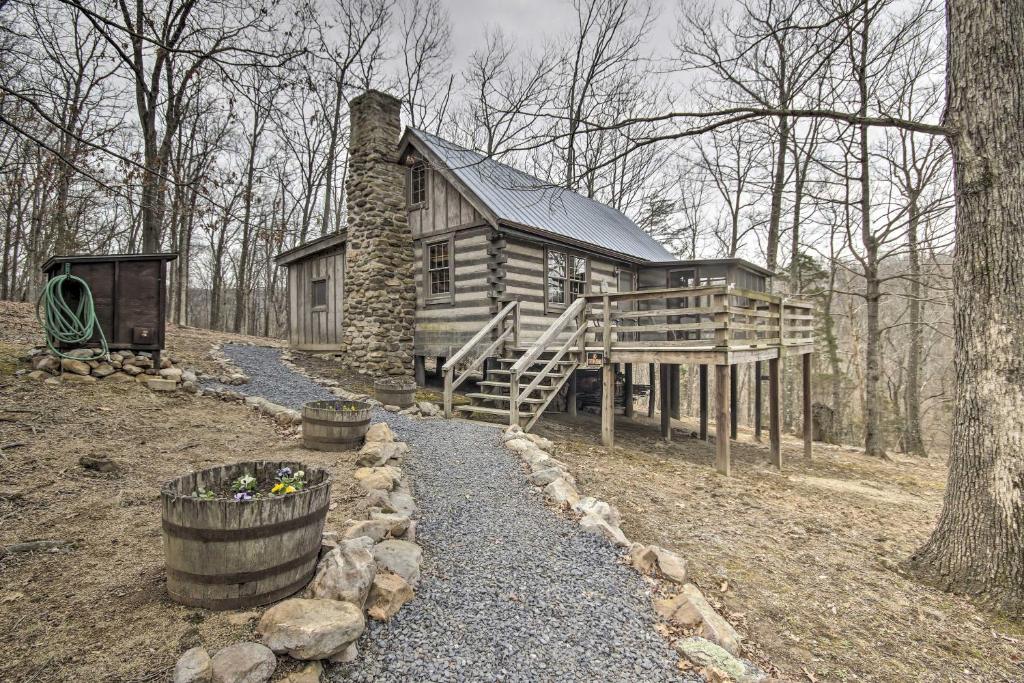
<point x="708" y="318"/>
<point x="504" y="325"/>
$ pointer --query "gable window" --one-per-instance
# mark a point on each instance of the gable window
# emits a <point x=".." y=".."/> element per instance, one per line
<point x="439" y="270"/>
<point x="319" y="293"/>
<point x="566" y="277"/>
<point x="418" y="184"/>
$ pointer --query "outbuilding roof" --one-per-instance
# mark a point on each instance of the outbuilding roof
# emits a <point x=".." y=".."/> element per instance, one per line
<point x="517" y="199"/>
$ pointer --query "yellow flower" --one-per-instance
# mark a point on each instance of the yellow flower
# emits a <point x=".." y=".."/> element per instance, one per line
<point x="290" y="489"/>
<point x="277" y="487"/>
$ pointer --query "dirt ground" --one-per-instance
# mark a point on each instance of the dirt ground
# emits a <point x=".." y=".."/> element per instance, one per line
<point x="100" y="612"/>
<point x="804" y="563"/>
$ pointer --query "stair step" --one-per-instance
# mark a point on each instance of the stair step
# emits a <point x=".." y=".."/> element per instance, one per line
<point x="554" y="375"/>
<point x="502" y="397"/>
<point x="508" y="385"/>
<point x="539" y="361"/>
<point x="491" y="411"/>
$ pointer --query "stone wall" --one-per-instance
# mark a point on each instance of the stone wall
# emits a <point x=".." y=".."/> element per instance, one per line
<point x="380" y="292"/>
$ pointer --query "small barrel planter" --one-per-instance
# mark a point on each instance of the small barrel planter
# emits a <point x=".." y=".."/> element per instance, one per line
<point x="394" y="392"/>
<point x="225" y="554"/>
<point x="335" y="425"/>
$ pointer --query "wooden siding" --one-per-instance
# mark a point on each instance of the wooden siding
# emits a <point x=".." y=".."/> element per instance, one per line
<point x="442" y="327"/>
<point x="316" y="329"/>
<point x="446" y="208"/>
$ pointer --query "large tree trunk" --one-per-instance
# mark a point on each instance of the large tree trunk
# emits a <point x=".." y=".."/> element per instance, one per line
<point x="977" y="547"/>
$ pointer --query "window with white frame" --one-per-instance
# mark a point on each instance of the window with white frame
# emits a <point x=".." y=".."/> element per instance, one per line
<point x="418" y="183"/>
<point x="566" y="277"/>
<point x="439" y="269"/>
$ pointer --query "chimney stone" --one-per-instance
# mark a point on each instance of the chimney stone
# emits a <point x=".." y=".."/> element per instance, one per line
<point x="380" y="290"/>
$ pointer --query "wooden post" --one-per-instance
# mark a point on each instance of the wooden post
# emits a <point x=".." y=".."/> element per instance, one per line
<point x="449" y="378"/>
<point x="674" y="390"/>
<point x="652" y="394"/>
<point x="703" y="402"/>
<point x="513" y="398"/>
<point x="420" y="370"/>
<point x="733" y="393"/>
<point x="608" y="405"/>
<point x="808" y="427"/>
<point x="628" y="390"/>
<point x="571" y="395"/>
<point x="774" y="424"/>
<point x="666" y="408"/>
<point x="757" y="400"/>
<point x="439" y="361"/>
<point x="722" y="405"/>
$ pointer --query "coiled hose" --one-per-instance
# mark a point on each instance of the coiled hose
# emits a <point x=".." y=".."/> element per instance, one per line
<point x="64" y="325"/>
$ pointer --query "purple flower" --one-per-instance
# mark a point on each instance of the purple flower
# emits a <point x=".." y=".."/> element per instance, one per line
<point x="284" y="472"/>
<point x="243" y="495"/>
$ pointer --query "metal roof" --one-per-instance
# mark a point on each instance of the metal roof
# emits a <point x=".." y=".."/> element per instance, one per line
<point x="518" y="199"/>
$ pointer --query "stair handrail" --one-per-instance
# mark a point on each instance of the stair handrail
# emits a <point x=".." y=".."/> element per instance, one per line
<point x="530" y="356"/>
<point x="451" y="382"/>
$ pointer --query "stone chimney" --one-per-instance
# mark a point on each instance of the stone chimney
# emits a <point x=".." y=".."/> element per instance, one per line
<point x="380" y="290"/>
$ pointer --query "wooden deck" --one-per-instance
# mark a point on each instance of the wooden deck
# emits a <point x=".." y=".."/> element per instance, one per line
<point x="716" y="326"/>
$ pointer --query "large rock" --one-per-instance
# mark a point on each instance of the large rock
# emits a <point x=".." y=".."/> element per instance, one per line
<point x="310" y="673"/>
<point x="541" y="442"/>
<point x="704" y="654"/>
<point x="521" y="445"/>
<point x="593" y="506"/>
<point x="400" y="557"/>
<point x="398" y="524"/>
<point x="377" y="453"/>
<point x="311" y="629"/>
<point x="46" y="363"/>
<point x="75" y="366"/>
<point x="378" y="478"/>
<point x="78" y="379"/>
<point x="387" y="595"/>
<point x="379" y="432"/>
<point x="195" y="666"/>
<point x="402" y="503"/>
<point x="117" y="378"/>
<point x="161" y="384"/>
<point x="243" y="663"/>
<point x="545" y="476"/>
<point x="561" y="492"/>
<point x="377" y="529"/>
<point x="655" y="560"/>
<point x="103" y="370"/>
<point x="599" y="526"/>
<point x="171" y="373"/>
<point x="345" y="574"/>
<point x="690" y="609"/>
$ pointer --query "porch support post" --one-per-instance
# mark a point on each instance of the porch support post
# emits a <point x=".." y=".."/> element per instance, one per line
<point x="628" y="390"/>
<point x="774" y="424"/>
<point x="420" y="370"/>
<point x="733" y="400"/>
<point x="608" y="405"/>
<point x="674" y="391"/>
<point x="757" y="400"/>
<point x="440" y="360"/>
<point x="723" y="404"/>
<point x="808" y="427"/>
<point x="703" y="402"/>
<point x="652" y="394"/>
<point x="666" y="408"/>
<point x="571" y="395"/>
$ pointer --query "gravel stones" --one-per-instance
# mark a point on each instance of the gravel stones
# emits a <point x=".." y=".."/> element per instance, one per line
<point x="311" y="629"/>
<point x="243" y="663"/>
<point x="509" y="590"/>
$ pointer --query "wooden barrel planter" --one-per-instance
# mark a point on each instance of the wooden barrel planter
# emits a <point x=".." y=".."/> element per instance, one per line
<point x="335" y="425"/>
<point x="391" y="392"/>
<point x="226" y="554"/>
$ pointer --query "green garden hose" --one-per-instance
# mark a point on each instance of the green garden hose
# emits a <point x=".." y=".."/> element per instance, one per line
<point x="64" y="325"/>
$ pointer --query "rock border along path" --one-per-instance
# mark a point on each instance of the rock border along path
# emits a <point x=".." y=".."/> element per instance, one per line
<point x="510" y="590"/>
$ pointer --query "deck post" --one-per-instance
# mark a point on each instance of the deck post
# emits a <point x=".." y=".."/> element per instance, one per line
<point x="808" y="427"/>
<point x="652" y="394"/>
<point x="608" y="405"/>
<point x="666" y="415"/>
<point x="570" y="398"/>
<point x="733" y="393"/>
<point x="722" y="410"/>
<point x="420" y="370"/>
<point x="449" y="378"/>
<point x="628" y="390"/>
<point x="674" y="390"/>
<point x="703" y="402"/>
<point x="774" y="424"/>
<point x="513" y="398"/>
<point x="757" y="400"/>
<point x="439" y="363"/>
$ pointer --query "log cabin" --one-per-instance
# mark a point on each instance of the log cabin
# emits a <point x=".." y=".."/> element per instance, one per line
<point x="521" y="287"/>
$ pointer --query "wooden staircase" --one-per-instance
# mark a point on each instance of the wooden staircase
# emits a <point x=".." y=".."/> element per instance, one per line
<point x="523" y="380"/>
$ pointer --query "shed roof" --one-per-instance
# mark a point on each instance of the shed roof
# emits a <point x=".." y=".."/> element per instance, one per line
<point x="518" y="199"/>
<point x="328" y="241"/>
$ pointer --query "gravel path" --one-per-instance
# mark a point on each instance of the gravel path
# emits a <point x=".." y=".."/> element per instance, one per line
<point x="510" y="590"/>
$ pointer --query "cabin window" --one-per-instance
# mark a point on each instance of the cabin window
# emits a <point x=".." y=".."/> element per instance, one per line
<point x="439" y="270"/>
<point x="319" y="293"/>
<point x="418" y="184"/>
<point x="566" y="277"/>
